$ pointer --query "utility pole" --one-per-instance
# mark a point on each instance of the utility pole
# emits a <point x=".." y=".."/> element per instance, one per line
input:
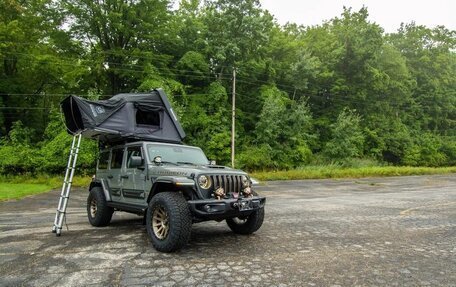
<point x="233" y="117"/>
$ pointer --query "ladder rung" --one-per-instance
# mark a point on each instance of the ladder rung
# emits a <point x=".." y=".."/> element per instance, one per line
<point x="68" y="182"/>
<point x="61" y="211"/>
<point x="64" y="196"/>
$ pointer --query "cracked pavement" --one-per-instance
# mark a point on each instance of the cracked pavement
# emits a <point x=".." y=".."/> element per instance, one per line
<point x="396" y="231"/>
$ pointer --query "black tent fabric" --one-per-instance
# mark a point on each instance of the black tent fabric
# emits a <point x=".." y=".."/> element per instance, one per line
<point x="146" y="116"/>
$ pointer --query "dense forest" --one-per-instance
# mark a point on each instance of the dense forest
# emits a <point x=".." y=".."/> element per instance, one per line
<point x="343" y="92"/>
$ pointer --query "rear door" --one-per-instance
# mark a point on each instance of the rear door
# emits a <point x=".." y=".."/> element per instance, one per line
<point x="113" y="176"/>
<point x="103" y="164"/>
<point x="134" y="178"/>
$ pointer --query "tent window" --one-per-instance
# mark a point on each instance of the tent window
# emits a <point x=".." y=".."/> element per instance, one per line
<point x="148" y="118"/>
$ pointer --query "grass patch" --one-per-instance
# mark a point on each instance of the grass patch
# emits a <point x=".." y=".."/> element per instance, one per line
<point x="320" y="172"/>
<point x="18" y="190"/>
<point x="16" y="187"/>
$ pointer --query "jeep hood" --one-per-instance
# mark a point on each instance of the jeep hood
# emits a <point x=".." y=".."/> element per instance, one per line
<point x="189" y="169"/>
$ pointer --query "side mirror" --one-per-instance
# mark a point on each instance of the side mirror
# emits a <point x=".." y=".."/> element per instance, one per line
<point x="136" y="161"/>
<point x="212" y="162"/>
<point x="157" y="160"/>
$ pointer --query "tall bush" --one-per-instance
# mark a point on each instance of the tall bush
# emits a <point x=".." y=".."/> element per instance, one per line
<point x="347" y="137"/>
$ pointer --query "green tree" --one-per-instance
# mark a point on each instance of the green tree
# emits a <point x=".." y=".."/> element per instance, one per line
<point x="122" y="36"/>
<point x="35" y="60"/>
<point x="285" y="129"/>
<point x="347" y="137"/>
<point x="432" y="62"/>
<point x="205" y="118"/>
<point x="236" y="31"/>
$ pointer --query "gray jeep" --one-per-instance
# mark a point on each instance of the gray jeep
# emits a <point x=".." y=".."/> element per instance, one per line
<point x="172" y="186"/>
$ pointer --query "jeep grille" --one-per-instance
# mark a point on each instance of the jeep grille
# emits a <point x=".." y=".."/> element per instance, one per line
<point x="230" y="183"/>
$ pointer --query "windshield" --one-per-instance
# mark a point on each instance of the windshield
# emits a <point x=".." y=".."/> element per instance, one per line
<point x="177" y="154"/>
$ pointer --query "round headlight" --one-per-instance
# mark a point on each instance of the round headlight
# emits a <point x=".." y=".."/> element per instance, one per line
<point x="245" y="181"/>
<point x="204" y="182"/>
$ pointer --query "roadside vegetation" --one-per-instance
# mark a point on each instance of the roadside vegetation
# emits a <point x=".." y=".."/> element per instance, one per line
<point x="16" y="187"/>
<point x="10" y="191"/>
<point x="321" y="172"/>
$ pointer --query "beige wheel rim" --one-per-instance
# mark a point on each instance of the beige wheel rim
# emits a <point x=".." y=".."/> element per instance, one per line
<point x="239" y="221"/>
<point x="93" y="207"/>
<point x="160" y="223"/>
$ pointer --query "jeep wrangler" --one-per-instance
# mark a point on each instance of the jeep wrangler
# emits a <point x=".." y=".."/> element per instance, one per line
<point x="172" y="186"/>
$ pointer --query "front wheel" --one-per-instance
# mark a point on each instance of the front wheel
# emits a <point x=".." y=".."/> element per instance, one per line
<point x="168" y="221"/>
<point x="248" y="224"/>
<point x="98" y="212"/>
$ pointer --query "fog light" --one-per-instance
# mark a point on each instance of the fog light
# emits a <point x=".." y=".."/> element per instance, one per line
<point x="247" y="192"/>
<point x="219" y="193"/>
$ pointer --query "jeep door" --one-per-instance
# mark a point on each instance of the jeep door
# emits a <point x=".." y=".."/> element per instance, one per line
<point x="113" y="175"/>
<point x="134" y="178"/>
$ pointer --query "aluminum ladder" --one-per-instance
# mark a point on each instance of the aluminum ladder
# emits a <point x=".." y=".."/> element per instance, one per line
<point x="66" y="187"/>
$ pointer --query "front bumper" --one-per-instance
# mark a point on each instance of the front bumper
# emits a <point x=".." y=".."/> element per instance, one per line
<point x="213" y="209"/>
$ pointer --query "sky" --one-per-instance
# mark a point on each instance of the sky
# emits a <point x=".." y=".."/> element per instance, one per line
<point x="387" y="13"/>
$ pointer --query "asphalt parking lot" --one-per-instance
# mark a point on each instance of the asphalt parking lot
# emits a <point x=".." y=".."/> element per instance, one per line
<point x="397" y="231"/>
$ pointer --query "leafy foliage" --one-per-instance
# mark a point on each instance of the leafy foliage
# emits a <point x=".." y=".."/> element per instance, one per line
<point x="297" y="88"/>
<point x="347" y="137"/>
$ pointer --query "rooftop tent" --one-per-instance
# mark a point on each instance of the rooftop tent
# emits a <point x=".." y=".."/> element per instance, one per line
<point x="124" y="117"/>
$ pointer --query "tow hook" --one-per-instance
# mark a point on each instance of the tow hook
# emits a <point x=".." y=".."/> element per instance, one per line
<point x="242" y="205"/>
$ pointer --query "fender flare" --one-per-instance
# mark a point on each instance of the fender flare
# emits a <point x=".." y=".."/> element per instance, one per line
<point x="173" y="183"/>
<point x="104" y="186"/>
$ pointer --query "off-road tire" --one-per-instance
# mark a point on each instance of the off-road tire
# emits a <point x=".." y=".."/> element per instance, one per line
<point x="252" y="223"/>
<point x="179" y="221"/>
<point x="102" y="215"/>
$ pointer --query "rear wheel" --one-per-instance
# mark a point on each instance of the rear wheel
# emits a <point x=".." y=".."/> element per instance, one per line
<point x="98" y="212"/>
<point x="168" y="221"/>
<point x="248" y="224"/>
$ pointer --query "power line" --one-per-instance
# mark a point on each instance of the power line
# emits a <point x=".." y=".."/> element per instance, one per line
<point x="72" y="60"/>
<point x="22" y="108"/>
<point x="144" y="71"/>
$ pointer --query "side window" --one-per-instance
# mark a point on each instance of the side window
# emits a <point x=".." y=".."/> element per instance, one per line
<point x="116" y="159"/>
<point x="103" y="160"/>
<point x="133" y="151"/>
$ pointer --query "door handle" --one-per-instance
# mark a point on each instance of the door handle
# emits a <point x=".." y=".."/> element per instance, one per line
<point x="124" y="176"/>
<point x="110" y="176"/>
